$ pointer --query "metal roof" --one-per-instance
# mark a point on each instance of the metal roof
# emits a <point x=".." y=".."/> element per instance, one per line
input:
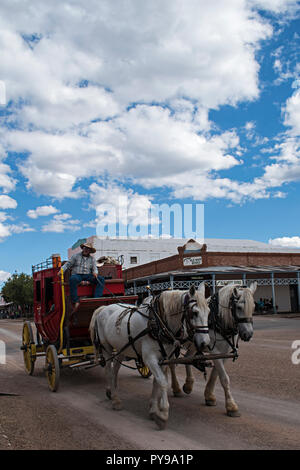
<point x="223" y="270"/>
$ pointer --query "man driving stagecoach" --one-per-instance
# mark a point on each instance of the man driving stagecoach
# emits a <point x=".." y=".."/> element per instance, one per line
<point x="83" y="269"/>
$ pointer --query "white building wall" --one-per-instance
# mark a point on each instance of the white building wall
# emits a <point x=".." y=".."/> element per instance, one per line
<point x="282" y="294"/>
<point x="145" y="250"/>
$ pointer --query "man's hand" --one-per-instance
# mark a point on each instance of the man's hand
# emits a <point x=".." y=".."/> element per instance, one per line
<point x="95" y="275"/>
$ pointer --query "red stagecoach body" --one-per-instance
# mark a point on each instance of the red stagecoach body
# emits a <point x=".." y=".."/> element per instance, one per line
<point x="50" y="296"/>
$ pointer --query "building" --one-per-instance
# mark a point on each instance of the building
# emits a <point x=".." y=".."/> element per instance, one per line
<point x="176" y="263"/>
<point x="219" y="262"/>
<point x="134" y="252"/>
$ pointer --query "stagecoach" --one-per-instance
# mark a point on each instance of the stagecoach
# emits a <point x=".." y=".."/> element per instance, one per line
<point x="62" y="338"/>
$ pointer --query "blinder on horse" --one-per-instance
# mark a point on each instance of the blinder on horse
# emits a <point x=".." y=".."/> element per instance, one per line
<point x="187" y="316"/>
<point x="233" y="306"/>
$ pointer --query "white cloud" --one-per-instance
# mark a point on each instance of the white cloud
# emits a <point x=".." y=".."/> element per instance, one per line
<point x="21" y="228"/>
<point x="41" y="211"/>
<point x="6" y="230"/>
<point x="60" y="223"/>
<point x="276" y="6"/>
<point x="7" y="202"/>
<point x="124" y="206"/>
<point x="4" y="276"/>
<point x="293" y="242"/>
<point x="187" y="59"/>
<point x="292" y="113"/>
<point x="7" y="183"/>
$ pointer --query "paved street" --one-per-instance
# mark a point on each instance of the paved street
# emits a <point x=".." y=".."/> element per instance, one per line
<point x="264" y="382"/>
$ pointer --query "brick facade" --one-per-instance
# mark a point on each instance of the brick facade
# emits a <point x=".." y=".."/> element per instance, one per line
<point x="176" y="262"/>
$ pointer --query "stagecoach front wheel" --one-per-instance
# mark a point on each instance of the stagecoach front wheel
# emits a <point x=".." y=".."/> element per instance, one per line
<point x="28" y="346"/>
<point x="52" y="368"/>
<point x="145" y="372"/>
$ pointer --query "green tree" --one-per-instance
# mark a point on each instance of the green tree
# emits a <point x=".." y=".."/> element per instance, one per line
<point x="19" y="290"/>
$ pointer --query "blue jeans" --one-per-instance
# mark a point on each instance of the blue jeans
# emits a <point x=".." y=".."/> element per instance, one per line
<point x="76" y="279"/>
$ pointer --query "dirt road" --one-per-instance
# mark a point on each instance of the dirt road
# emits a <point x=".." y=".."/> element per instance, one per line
<point x="265" y="384"/>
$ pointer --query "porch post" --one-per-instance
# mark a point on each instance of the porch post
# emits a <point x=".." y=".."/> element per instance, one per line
<point x="214" y="283"/>
<point x="273" y="293"/>
<point x="134" y="287"/>
<point x="298" y="279"/>
<point x="172" y="281"/>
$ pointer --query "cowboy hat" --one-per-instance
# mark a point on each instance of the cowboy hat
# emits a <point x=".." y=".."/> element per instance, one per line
<point x="88" y="245"/>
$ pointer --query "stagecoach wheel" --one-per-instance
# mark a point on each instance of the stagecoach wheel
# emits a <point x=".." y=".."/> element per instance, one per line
<point x="145" y="372"/>
<point x="52" y="368"/>
<point x="27" y="342"/>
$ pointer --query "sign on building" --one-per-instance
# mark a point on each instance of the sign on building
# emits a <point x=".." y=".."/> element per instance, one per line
<point x="192" y="260"/>
<point x="223" y="283"/>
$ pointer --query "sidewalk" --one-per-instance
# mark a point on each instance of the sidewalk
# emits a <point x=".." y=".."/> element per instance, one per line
<point x="278" y="315"/>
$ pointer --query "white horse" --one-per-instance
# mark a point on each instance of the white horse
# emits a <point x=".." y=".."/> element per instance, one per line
<point x="112" y="327"/>
<point x="230" y="317"/>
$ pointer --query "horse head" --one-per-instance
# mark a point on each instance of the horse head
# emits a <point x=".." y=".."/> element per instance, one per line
<point x="242" y="308"/>
<point x="195" y="316"/>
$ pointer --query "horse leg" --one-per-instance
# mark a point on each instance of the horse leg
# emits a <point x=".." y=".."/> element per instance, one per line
<point x="174" y="382"/>
<point x="210" y="399"/>
<point x="153" y="405"/>
<point x="231" y="406"/>
<point x="159" y="404"/>
<point x="189" y="380"/>
<point x="108" y="378"/>
<point x="108" y="370"/>
<point x="116" y="402"/>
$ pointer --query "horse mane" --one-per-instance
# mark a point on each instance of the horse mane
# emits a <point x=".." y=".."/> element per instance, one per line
<point x="224" y="301"/>
<point x="171" y="302"/>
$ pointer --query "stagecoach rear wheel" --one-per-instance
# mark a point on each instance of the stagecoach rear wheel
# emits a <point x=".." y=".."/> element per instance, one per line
<point x="145" y="372"/>
<point x="28" y="346"/>
<point x="52" y="368"/>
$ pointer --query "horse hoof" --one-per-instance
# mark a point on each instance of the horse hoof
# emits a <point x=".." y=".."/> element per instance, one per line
<point x="117" y="406"/>
<point x="233" y="414"/>
<point x="160" y="422"/>
<point x="177" y="393"/>
<point x="210" y="402"/>
<point x="108" y="394"/>
<point x="186" y="389"/>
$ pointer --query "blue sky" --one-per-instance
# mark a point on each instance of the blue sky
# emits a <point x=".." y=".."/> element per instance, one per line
<point x="189" y="103"/>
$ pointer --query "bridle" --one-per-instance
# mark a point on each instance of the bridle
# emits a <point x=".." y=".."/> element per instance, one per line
<point x="188" y="304"/>
<point x="233" y="307"/>
<point x="216" y="323"/>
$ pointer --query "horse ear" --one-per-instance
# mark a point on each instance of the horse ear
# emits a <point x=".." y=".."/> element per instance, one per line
<point x="235" y="292"/>
<point x="201" y="288"/>
<point x="253" y="287"/>
<point x="192" y="290"/>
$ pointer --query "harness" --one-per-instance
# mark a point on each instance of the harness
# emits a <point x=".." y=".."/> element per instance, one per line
<point x="215" y="321"/>
<point x="157" y="328"/>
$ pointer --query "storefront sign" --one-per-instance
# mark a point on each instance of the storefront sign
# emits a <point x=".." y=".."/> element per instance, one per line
<point x="192" y="260"/>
